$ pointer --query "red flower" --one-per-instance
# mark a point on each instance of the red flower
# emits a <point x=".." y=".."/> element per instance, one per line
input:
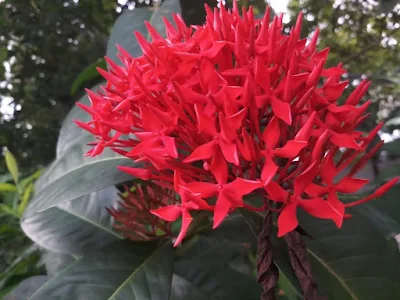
<point x="133" y="217"/>
<point x="231" y="107"/>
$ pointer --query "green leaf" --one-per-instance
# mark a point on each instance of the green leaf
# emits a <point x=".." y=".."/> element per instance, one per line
<point x="22" y="266"/>
<point x="55" y="262"/>
<point x="8" y="187"/>
<point x="184" y="289"/>
<point x="75" y="226"/>
<point x="122" y="32"/>
<point x="381" y="212"/>
<point x="26" y="288"/>
<point x="354" y="262"/>
<point x="70" y="133"/>
<point x="203" y="272"/>
<point x="8" y="210"/>
<point x="72" y="175"/>
<point x="5" y="177"/>
<point x="12" y="165"/>
<point x="235" y="229"/>
<point x="85" y="178"/>
<point x="165" y="10"/>
<point x="119" y="271"/>
<point x="25" y="198"/>
<point x="31" y="178"/>
<point x="88" y="74"/>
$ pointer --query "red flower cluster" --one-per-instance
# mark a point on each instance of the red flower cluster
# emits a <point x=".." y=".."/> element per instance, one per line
<point x="218" y="111"/>
<point x="133" y="217"/>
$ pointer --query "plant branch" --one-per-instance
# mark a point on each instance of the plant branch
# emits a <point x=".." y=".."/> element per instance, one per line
<point x="301" y="265"/>
<point x="267" y="271"/>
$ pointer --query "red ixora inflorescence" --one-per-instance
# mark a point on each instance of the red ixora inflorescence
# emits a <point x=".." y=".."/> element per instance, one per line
<point x="215" y="112"/>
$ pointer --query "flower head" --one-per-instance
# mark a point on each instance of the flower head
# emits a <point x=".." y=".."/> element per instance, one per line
<point x="215" y="112"/>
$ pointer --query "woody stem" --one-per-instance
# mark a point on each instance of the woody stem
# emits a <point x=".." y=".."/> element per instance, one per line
<point x="267" y="271"/>
<point x="301" y="265"/>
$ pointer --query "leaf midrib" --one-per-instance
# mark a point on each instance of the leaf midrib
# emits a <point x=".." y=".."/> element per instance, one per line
<point x="89" y="163"/>
<point x="330" y="270"/>
<point x="90" y="222"/>
<point x="45" y="189"/>
<point x="122" y="285"/>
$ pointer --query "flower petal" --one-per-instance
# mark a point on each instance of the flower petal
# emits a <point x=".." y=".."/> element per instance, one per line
<point x="269" y="170"/>
<point x="186" y="221"/>
<point x="305" y="131"/>
<point x="169" y="143"/>
<point x="329" y="171"/>
<point x="144" y="174"/>
<point x="276" y="192"/>
<point x="221" y="210"/>
<point x="290" y="150"/>
<point x="243" y="186"/>
<point x="344" y="140"/>
<point x="281" y="110"/>
<point x="219" y="168"/>
<point x="271" y="134"/>
<point x="315" y="190"/>
<point x="319" y="145"/>
<point x="206" y="124"/>
<point x="379" y="192"/>
<point x="230" y="152"/>
<point x="338" y="207"/>
<point x="305" y="178"/>
<point x="320" y="208"/>
<point x="350" y="185"/>
<point x="205" y="189"/>
<point x="287" y="220"/>
<point x="204" y="151"/>
<point x="168" y="213"/>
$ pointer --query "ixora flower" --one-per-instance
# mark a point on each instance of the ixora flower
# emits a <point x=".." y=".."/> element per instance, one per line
<point x="216" y="112"/>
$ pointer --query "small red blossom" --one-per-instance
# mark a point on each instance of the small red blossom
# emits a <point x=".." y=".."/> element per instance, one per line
<point x="133" y="215"/>
<point x="215" y="112"/>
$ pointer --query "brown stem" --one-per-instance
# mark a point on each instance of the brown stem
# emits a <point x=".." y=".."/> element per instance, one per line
<point x="267" y="271"/>
<point x="301" y="265"/>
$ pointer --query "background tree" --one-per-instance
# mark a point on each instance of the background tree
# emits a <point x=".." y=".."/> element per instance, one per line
<point x="44" y="45"/>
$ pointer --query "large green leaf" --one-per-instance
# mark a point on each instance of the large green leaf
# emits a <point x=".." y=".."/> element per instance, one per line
<point x="72" y="175"/>
<point x="26" y="288"/>
<point x="87" y="176"/>
<point x="165" y="10"/>
<point x="55" y="262"/>
<point x="119" y="271"/>
<point x="204" y="272"/>
<point x="70" y="133"/>
<point x="381" y="212"/>
<point x="75" y="226"/>
<point x="355" y="262"/>
<point x="184" y="289"/>
<point x="122" y="32"/>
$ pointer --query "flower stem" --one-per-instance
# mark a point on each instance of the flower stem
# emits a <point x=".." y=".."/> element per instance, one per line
<point x="267" y="271"/>
<point x="301" y="265"/>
